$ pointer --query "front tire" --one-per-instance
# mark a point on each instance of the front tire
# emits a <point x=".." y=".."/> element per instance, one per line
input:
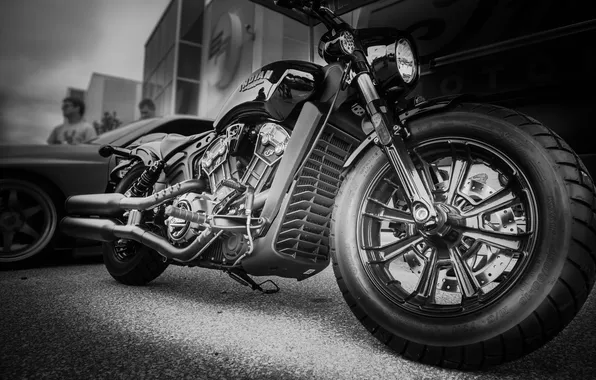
<point x="532" y="303"/>
<point x="140" y="265"/>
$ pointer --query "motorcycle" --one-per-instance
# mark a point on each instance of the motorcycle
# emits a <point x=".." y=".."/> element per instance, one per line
<point x="461" y="234"/>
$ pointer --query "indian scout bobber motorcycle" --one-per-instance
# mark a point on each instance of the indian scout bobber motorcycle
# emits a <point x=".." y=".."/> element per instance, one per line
<point x="461" y="235"/>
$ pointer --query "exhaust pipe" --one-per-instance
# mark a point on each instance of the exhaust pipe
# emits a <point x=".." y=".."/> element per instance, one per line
<point x="107" y="230"/>
<point x="113" y="204"/>
<point x="94" y="204"/>
<point x="89" y="228"/>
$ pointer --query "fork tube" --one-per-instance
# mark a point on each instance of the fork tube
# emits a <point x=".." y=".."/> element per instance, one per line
<point x="394" y="147"/>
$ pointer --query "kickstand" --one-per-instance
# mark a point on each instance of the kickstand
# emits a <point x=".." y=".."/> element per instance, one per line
<point x="244" y="279"/>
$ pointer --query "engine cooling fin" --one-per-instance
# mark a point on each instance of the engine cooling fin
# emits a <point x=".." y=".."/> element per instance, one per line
<point x="305" y="228"/>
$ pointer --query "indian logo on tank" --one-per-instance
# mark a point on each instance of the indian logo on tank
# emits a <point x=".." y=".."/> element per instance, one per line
<point x="254" y="80"/>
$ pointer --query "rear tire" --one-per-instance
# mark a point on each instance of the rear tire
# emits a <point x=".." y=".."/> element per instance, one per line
<point x="550" y="290"/>
<point x="141" y="266"/>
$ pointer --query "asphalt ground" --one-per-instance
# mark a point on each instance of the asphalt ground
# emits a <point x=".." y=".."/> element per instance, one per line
<point x="73" y="321"/>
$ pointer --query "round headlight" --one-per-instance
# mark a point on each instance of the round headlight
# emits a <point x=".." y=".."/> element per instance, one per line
<point x="347" y="42"/>
<point x="406" y="62"/>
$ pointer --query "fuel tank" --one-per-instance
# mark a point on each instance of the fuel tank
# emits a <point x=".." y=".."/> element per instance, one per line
<point x="274" y="91"/>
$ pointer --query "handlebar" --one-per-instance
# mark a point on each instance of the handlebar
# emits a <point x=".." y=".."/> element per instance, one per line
<point x="289" y="4"/>
<point x="314" y="8"/>
<point x="108" y="150"/>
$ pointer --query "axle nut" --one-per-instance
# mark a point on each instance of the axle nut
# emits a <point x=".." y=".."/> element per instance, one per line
<point x="421" y="214"/>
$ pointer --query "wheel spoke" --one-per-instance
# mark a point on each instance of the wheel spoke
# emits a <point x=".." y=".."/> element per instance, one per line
<point x="391" y="183"/>
<point x="497" y="239"/>
<point x="465" y="277"/>
<point x="427" y="284"/>
<point x="392" y="250"/>
<point x="387" y="213"/>
<point x="13" y="199"/>
<point x="31" y="211"/>
<point x="459" y="170"/>
<point x="500" y="199"/>
<point x="28" y="230"/>
<point x="427" y="177"/>
<point x="7" y="237"/>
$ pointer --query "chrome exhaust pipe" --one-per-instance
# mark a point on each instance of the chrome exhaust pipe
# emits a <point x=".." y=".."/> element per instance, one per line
<point x="112" y="204"/>
<point x="94" y="204"/>
<point x="89" y="228"/>
<point x="107" y="230"/>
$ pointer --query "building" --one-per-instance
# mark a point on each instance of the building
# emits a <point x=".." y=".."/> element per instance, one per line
<point x="75" y="93"/>
<point x="172" y="69"/>
<point x="106" y="93"/>
<point x="535" y="56"/>
<point x="182" y="77"/>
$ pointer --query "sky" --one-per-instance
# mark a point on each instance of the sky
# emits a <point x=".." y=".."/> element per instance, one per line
<point x="49" y="45"/>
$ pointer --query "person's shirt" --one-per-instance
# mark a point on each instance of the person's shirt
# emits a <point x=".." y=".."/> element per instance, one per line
<point x="72" y="134"/>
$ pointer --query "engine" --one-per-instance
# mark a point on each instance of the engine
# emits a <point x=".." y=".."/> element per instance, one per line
<point x="247" y="154"/>
<point x="180" y="231"/>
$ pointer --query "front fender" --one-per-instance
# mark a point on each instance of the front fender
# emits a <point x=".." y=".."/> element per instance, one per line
<point x="423" y="108"/>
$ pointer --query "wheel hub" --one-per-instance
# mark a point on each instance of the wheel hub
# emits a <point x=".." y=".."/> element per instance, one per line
<point x="11" y="221"/>
<point x="443" y="232"/>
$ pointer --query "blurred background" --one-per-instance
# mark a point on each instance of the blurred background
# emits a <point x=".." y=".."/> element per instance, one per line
<point x="188" y="55"/>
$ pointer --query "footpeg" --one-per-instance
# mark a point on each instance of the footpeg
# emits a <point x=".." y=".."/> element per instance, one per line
<point x="186" y="215"/>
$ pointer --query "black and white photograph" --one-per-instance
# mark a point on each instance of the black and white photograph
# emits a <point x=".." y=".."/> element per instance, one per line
<point x="297" y="189"/>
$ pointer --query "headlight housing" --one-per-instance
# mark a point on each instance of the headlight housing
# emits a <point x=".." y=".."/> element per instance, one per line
<point x="405" y="58"/>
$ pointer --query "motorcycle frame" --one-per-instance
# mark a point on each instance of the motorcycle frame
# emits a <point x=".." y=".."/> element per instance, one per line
<point x="314" y="115"/>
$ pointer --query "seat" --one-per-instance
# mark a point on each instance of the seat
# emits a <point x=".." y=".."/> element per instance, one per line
<point x="174" y="142"/>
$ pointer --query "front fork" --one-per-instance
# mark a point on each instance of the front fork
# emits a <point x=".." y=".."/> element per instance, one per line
<point x="418" y="195"/>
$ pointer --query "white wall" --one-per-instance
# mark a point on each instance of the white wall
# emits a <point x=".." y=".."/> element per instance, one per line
<point x="107" y="94"/>
<point x="94" y="98"/>
<point x="121" y="96"/>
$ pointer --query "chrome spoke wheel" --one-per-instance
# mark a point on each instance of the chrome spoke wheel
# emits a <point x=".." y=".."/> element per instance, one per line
<point x="28" y="219"/>
<point x="485" y="240"/>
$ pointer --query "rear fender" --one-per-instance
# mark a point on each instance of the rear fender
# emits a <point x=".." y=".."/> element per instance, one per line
<point x="146" y="153"/>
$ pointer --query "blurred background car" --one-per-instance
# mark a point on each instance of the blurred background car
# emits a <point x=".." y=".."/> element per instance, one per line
<point x="35" y="180"/>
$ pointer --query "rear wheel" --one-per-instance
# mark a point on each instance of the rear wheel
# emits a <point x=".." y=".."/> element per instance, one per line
<point x="509" y="276"/>
<point x="127" y="261"/>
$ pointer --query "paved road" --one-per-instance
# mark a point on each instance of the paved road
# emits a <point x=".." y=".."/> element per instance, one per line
<point x="74" y="322"/>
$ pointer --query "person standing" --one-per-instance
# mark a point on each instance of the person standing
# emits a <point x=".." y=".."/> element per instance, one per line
<point x="74" y="130"/>
<point x="147" y="108"/>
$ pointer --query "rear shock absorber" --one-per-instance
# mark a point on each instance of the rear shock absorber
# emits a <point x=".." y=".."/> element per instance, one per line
<point x="124" y="248"/>
<point x="146" y="181"/>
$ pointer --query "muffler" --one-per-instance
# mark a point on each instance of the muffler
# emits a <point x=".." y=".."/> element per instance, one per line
<point x="113" y="204"/>
<point x="89" y="228"/>
<point x="107" y="230"/>
<point x="94" y="204"/>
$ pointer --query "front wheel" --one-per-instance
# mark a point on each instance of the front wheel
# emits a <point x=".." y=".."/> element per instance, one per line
<point x="127" y="261"/>
<point x="507" y="276"/>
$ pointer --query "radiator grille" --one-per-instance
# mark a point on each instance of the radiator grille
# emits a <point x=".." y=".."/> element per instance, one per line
<point x="304" y="231"/>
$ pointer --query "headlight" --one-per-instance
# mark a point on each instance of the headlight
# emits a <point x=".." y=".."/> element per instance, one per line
<point x="406" y="61"/>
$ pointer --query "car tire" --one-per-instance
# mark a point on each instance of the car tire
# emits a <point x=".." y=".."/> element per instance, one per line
<point x="30" y="209"/>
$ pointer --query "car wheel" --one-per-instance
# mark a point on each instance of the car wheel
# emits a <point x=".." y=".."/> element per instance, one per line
<point x="28" y="221"/>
